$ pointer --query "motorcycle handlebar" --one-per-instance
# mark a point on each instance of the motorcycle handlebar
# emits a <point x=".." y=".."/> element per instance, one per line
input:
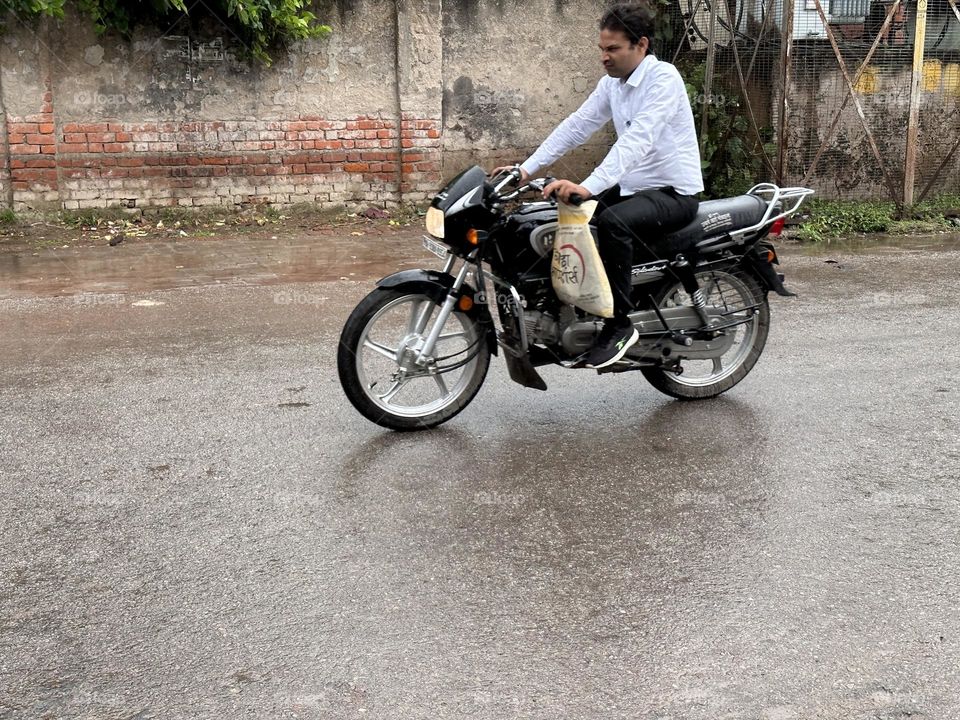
<point x="575" y="199"/>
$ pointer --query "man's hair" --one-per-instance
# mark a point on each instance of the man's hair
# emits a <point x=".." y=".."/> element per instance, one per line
<point x="632" y="19"/>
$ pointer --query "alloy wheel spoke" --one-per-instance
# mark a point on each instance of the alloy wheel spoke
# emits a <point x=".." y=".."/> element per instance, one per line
<point x="419" y="316"/>
<point x="441" y="383"/>
<point x="394" y="389"/>
<point x="380" y="349"/>
<point x="452" y="335"/>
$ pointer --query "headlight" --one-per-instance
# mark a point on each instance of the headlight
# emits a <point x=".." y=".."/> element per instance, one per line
<point x="435" y="222"/>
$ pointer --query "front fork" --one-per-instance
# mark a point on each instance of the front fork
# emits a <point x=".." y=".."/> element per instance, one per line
<point x="426" y="351"/>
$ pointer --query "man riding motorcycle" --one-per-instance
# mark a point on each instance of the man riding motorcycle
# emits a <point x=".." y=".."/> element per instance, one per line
<point x="647" y="184"/>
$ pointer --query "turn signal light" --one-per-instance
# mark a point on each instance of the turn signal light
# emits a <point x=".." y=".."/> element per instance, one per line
<point x="472" y="237"/>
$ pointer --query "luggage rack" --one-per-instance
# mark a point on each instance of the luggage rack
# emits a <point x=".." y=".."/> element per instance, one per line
<point x="775" y="197"/>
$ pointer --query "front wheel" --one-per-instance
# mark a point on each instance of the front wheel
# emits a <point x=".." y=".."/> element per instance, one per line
<point x="730" y="296"/>
<point x="383" y="373"/>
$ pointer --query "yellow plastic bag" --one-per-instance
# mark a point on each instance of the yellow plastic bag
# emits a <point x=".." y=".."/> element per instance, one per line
<point x="577" y="271"/>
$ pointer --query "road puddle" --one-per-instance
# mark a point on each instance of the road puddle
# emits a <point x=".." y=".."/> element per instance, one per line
<point x="235" y="261"/>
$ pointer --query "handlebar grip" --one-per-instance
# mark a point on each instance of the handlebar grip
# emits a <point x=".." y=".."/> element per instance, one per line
<point x="577" y="200"/>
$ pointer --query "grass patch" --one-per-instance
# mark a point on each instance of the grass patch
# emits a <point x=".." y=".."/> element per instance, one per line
<point x="8" y="217"/>
<point x="830" y="219"/>
<point x="90" y="217"/>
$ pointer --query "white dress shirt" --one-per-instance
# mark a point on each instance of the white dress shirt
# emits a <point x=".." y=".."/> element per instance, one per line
<point x="656" y="137"/>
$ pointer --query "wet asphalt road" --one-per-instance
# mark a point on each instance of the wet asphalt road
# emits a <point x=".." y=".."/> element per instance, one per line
<point x="195" y="524"/>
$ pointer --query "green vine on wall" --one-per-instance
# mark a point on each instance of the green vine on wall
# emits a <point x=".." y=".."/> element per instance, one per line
<point x="261" y="25"/>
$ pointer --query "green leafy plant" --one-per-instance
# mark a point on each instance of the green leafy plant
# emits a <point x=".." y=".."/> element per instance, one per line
<point x="829" y="219"/>
<point x="732" y="156"/>
<point x="8" y="217"/>
<point x="261" y="25"/>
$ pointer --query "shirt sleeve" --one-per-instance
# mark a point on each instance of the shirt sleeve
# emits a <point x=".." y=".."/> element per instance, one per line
<point x="659" y="106"/>
<point x="574" y="131"/>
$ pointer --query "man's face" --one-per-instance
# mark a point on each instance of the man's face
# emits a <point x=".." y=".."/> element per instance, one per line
<point x="619" y="57"/>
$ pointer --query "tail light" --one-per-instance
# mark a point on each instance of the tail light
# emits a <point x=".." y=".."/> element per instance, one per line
<point x="777" y="227"/>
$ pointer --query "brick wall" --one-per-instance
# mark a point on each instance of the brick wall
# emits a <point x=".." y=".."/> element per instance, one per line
<point x="166" y="120"/>
<point x="308" y="159"/>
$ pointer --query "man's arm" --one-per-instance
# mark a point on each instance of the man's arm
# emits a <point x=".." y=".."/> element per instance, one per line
<point x="572" y="132"/>
<point x="660" y="105"/>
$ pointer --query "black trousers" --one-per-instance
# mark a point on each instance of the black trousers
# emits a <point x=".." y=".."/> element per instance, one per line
<point x="629" y="230"/>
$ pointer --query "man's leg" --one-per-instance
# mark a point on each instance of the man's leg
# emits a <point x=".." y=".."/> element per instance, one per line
<point x="623" y="226"/>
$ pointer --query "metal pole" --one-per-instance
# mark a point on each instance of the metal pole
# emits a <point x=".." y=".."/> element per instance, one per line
<point x="708" y="74"/>
<point x="910" y="161"/>
<point x="786" y="60"/>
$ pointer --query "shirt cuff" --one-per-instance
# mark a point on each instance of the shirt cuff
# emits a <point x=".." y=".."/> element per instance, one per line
<point x="595" y="185"/>
<point x="529" y="167"/>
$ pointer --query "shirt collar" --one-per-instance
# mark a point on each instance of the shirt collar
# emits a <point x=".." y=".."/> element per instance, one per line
<point x="637" y="75"/>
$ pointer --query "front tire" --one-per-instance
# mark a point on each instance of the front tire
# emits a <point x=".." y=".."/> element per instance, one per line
<point x="730" y="292"/>
<point x="376" y="360"/>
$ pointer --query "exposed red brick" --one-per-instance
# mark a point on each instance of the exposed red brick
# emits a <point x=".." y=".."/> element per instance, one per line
<point x="40" y="139"/>
<point x="23" y="127"/>
<point x="34" y="175"/>
<point x="24" y="149"/>
<point x="114" y="147"/>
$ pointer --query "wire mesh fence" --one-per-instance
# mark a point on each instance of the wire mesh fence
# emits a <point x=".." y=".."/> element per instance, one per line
<point x="856" y="98"/>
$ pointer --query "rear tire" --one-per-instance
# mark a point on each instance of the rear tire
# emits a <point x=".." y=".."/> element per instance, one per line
<point x="378" y="344"/>
<point x="727" y="290"/>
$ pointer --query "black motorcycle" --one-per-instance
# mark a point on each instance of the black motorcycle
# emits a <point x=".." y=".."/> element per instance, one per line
<point x="415" y="351"/>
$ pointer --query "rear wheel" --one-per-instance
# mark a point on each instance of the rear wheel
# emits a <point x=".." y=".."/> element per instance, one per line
<point x="730" y="295"/>
<point x="377" y="360"/>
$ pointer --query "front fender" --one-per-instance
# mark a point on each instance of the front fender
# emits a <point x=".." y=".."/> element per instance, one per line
<point x="436" y="285"/>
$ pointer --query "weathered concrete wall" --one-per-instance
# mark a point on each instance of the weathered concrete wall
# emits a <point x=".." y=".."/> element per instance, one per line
<point x="171" y="119"/>
<point x="511" y="72"/>
<point x="167" y="120"/>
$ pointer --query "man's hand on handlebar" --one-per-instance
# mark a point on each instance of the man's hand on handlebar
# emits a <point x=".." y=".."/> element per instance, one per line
<point x="564" y="189"/>
<point x="524" y="175"/>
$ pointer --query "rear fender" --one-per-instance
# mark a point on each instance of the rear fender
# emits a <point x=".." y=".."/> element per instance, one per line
<point x="760" y="261"/>
<point x="436" y="285"/>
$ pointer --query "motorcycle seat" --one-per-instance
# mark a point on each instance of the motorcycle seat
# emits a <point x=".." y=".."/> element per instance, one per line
<point x="714" y="218"/>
